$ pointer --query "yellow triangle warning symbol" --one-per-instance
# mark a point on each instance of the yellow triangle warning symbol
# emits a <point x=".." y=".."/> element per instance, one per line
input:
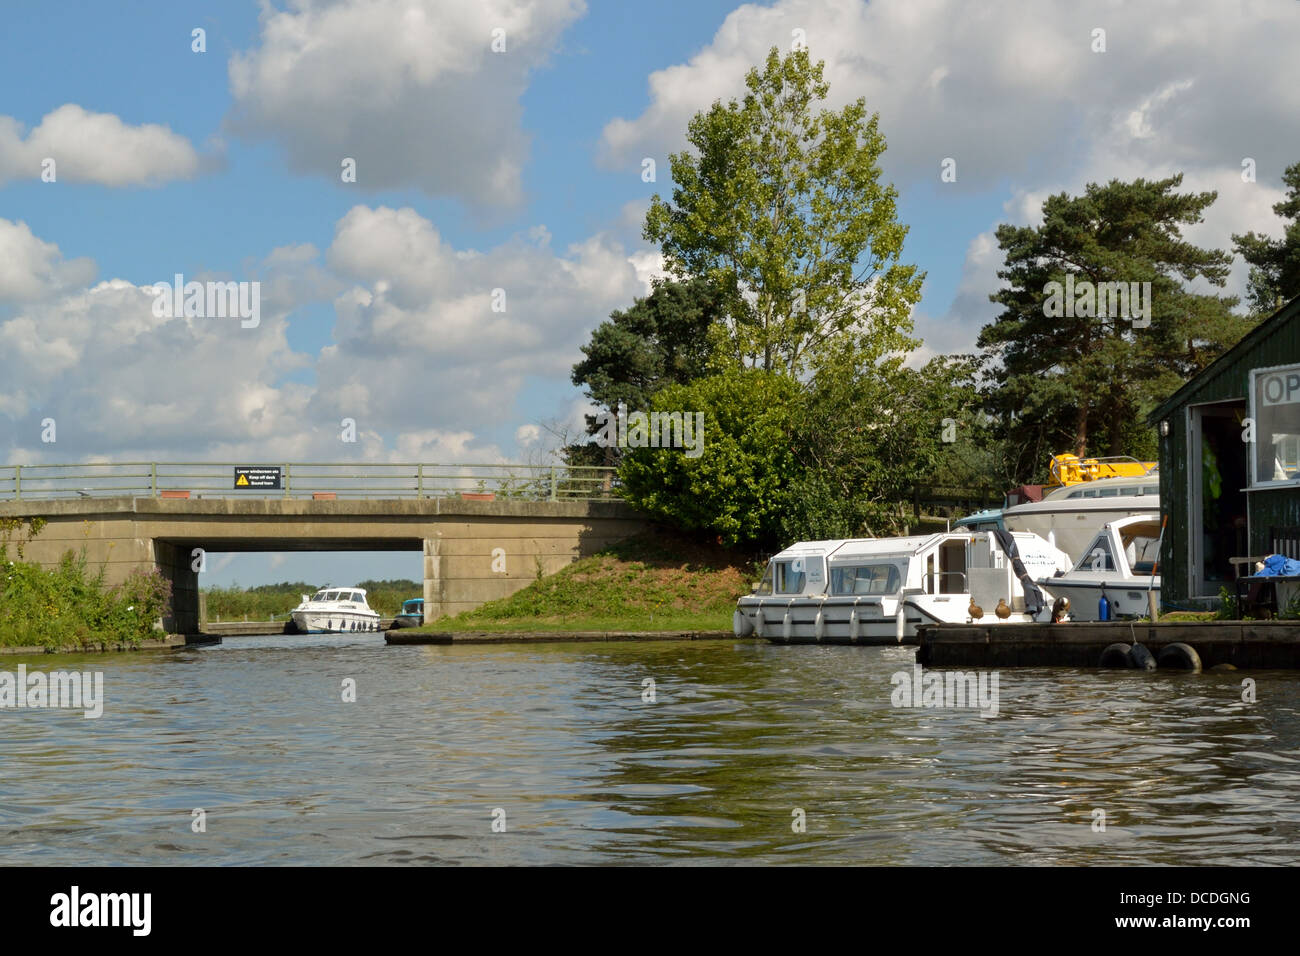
<point x="241" y="480"/>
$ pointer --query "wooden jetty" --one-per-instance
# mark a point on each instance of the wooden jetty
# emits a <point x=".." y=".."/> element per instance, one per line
<point x="1241" y="644"/>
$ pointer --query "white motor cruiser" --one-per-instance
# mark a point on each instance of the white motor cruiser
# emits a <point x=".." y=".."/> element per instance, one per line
<point x="1069" y="517"/>
<point x="335" y="611"/>
<point x="1121" y="562"/>
<point x="879" y="590"/>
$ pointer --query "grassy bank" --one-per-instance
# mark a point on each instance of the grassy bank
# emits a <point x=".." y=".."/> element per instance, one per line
<point x="654" y="582"/>
<point x="69" y="605"/>
<point x="270" y="602"/>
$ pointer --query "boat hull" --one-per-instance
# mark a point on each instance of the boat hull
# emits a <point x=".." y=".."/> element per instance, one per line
<point x="846" y="621"/>
<point x="335" y="622"/>
<point x="1126" y="598"/>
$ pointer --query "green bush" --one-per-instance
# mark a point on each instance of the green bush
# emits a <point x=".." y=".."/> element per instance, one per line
<point x="70" y="605"/>
<point x="736" y="488"/>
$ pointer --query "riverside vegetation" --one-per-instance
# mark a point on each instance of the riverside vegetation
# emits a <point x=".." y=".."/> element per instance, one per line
<point x="70" y="605"/>
<point x="652" y="582"/>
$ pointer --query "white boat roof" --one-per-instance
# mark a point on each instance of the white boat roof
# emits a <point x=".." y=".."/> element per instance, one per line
<point x="846" y="549"/>
<point x="1130" y="481"/>
<point x="341" y="587"/>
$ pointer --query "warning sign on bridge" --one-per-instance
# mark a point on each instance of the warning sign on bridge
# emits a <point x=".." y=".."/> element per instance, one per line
<point x="259" y="476"/>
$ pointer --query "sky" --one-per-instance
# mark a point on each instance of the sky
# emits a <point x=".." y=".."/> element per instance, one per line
<point x="500" y="144"/>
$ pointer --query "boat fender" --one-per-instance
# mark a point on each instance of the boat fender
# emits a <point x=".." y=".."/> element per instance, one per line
<point x="1179" y="656"/>
<point x="819" y="626"/>
<point x="787" y="627"/>
<point x="1141" y="659"/>
<point x="741" y="625"/>
<point x="1116" y="655"/>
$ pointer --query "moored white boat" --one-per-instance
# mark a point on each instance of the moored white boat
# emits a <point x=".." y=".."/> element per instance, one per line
<point x="1070" y="517"/>
<point x="879" y="590"/>
<point x="335" y="611"/>
<point x="1121" y="562"/>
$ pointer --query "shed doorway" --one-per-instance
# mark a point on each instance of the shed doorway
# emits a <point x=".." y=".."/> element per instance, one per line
<point x="1218" y="469"/>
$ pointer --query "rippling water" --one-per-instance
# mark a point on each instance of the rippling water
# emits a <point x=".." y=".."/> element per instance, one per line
<point x="739" y="737"/>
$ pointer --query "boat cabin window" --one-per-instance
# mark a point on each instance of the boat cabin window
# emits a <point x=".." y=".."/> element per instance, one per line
<point x="1098" y="557"/>
<point x="789" y="578"/>
<point x="1108" y="492"/>
<point x="865" y="579"/>
<point x="318" y="596"/>
<point x="331" y="596"/>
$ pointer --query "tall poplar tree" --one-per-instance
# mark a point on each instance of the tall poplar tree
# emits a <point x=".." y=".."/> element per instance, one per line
<point x="780" y="205"/>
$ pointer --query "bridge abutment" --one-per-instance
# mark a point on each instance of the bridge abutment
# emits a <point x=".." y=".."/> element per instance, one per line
<point x="473" y="551"/>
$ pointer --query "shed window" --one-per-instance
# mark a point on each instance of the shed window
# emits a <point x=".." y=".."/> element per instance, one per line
<point x="1275" y="405"/>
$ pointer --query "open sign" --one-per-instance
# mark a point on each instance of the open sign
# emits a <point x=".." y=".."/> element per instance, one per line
<point x="1279" y="387"/>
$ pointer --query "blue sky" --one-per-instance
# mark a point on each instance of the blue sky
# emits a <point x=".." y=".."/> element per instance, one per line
<point x="521" y="170"/>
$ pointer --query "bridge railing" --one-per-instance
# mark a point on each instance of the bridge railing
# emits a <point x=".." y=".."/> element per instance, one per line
<point x="310" y="480"/>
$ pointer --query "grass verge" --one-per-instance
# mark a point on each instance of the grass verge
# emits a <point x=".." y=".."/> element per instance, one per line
<point x="653" y="582"/>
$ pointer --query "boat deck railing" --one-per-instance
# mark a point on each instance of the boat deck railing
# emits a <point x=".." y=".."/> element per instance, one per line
<point x="318" y="480"/>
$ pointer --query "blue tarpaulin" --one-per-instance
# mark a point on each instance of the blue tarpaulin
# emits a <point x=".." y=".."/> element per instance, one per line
<point x="1276" y="565"/>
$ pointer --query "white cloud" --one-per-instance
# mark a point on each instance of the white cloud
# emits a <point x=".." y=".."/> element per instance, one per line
<point x="1015" y="94"/>
<point x="420" y="360"/>
<point x="410" y="89"/>
<point x="95" y="148"/>
<point x="419" y="343"/>
<point x="32" y="269"/>
<point x="1012" y="91"/>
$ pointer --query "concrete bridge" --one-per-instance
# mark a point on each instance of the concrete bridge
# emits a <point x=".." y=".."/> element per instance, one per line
<point x="474" y="550"/>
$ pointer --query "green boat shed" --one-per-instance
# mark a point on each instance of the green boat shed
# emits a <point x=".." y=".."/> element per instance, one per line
<point x="1230" y="464"/>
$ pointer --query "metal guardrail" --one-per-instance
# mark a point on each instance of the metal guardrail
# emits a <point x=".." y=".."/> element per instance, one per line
<point x="310" y="479"/>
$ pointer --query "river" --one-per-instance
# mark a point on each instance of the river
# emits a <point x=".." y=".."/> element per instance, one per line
<point x="564" y="753"/>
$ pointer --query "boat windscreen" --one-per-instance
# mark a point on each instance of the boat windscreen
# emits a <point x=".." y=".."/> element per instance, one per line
<point x="331" y="596"/>
<point x="1098" y="557"/>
